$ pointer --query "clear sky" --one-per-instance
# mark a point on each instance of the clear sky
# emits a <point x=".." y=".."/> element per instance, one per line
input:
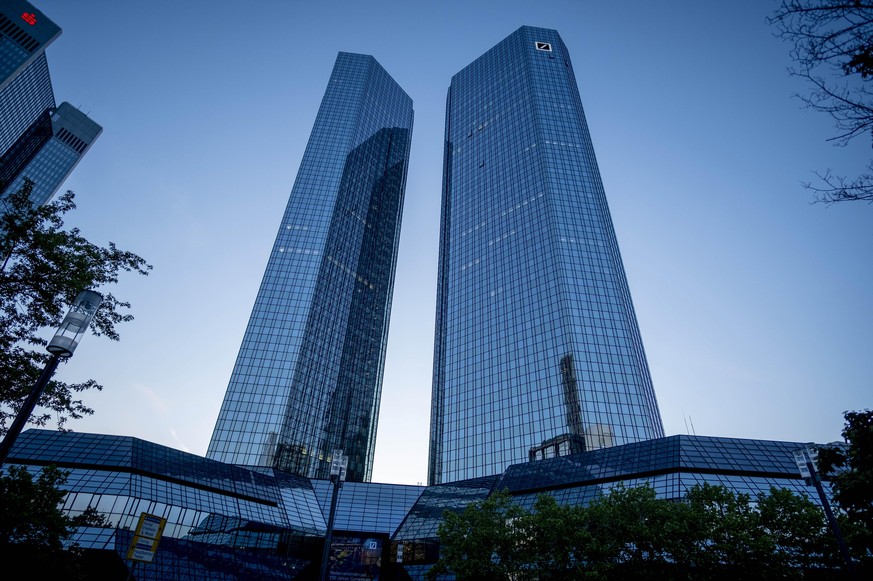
<point x="754" y="305"/>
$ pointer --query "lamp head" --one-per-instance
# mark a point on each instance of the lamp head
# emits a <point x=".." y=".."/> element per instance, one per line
<point x="75" y="324"/>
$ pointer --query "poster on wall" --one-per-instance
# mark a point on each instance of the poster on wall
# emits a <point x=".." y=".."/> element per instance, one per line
<point x="355" y="558"/>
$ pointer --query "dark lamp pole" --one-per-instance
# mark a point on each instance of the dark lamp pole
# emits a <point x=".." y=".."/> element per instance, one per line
<point x="806" y="459"/>
<point x="62" y="346"/>
<point x="338" y="466"/>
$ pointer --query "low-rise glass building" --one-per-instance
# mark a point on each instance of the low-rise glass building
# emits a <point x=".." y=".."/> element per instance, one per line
<point x="230" y="522"/>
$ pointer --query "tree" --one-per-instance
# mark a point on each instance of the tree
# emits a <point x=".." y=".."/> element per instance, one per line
<point x="850" y="470"/>
<point x="558" y="539"/>
<point x="729" y="532"/>
<point x="800" y="536"/>
<point x="33" y="527"/>
<point x="42" y="269"/>
<point x="634" y="533"/>
<point x="629" y="533"/>
<point x="482" y="542"/>
<point x="833" y="51"/>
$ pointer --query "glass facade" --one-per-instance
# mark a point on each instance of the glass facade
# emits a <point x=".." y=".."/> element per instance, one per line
<point x="231" y="522"/>
<point x="671" y="466"/>
<point x="537" y="347"/>
<point x="38" y="141"/>
<point x="308" y="376"/>
<point x="47" y="152"/>
<point x="223" y="521"/>
<point x="23" y="101"/>
<point x="25" y="32"/>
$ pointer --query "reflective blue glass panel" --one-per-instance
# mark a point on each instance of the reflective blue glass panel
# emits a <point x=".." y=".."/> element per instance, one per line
<point x="537" y="344"/>
<point x="308" y="377"/>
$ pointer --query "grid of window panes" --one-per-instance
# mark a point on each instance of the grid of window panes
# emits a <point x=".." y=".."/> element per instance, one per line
<point x="12" y="54"/>
<point x="105" y="468"/>
<point x="20" y="39"/>
<point x="669" y="465"/>
<point x="206" y="503"/>
<point x="268" y="524"/>
<point x="308" y="376"/>
<point x="370" y="507"/>
<point x="536" y="336"/>
<point x="109" y="452"/>
<point x="416" y="539"/>
<point x="72" y="132"/>
<point x="23" y="100"/>
<point x="190" y="560"/>
<point x="674" y="486"/>
<point x="25" y="148"/>
<point x="675" y="454"/>
<point x="47" y="170"/>
<point x="426" y="514"/>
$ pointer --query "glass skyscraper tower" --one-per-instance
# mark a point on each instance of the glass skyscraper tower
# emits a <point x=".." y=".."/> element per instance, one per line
<point x="308" y="377"/>
<point x="537" y="349"/>
<point x="47" y="152"/>
<point x="38" y="141"/>
<point x="25" y="32"/>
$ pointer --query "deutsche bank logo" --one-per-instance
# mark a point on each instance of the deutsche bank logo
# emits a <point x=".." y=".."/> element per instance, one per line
<point x="544" y="46"/>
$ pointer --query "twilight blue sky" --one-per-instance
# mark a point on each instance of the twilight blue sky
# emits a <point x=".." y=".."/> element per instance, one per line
<point x="754" y="305"/>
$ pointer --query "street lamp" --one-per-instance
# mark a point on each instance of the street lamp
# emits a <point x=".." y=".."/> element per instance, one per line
<point x="338" y="465"/>
<point x="806" y="459"/>
<point x="62" y="346"/>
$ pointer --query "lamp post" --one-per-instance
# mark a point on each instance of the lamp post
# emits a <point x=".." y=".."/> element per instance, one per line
<point x="62" y="346"/>
<point x="806" y="458"/>
<point x="338" y="465"/>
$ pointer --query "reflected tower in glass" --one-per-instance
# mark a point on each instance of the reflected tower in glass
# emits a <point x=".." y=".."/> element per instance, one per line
<point x="308" y="377"/>
<point x="537" y="349"/>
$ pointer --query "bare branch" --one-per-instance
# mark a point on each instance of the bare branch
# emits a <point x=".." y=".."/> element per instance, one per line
<point x="833" y="49"/>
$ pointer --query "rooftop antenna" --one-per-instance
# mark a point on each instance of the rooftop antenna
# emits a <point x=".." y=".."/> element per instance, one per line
<point x="692" y="425"/>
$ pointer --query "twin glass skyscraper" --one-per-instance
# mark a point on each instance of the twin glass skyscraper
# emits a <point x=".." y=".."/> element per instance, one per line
<point x="308" y="377"/>
<point x="537" y="350"/>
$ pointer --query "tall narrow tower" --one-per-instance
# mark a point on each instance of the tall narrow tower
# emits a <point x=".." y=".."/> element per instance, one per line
<point x="308" y="376"/>
<point x="537" y="349"/>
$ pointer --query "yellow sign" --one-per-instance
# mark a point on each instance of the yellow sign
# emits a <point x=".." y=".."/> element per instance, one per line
<point x="145" y="539"/>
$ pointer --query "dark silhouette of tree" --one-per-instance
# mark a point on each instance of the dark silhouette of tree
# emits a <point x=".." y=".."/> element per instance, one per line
<point x="33" y="527"/>
<point x="633" y="533"/>
<point x="483" y="542"/>
<point x="558" y="539"/>
<point x="91" y="517"/>
<point x="629" y="533"/>
<point x="833" y="52"/>
<point x="850" y="470"/>
<point x="797" y="529"/>
<point x="42" y="268"/>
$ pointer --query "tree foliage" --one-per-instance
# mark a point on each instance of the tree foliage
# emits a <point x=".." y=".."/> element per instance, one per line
<point x="487" y="540"/>
<point x="629" y="533"/>
<point x="850" y="470"/>
<point x="832" y="50"/>
<point x="33" y="527"/>
<point x="43" y="266"/>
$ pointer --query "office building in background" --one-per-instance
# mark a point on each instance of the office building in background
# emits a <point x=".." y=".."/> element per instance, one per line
<point x="538" y="354"/>
<point x="47" y="152"/>
<point x="38" y="141"/>
<point x="24" y="100"/>
<point x="308" y="377"/>
<point x="537" y="349"/>
<point x="25" y="32"/>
